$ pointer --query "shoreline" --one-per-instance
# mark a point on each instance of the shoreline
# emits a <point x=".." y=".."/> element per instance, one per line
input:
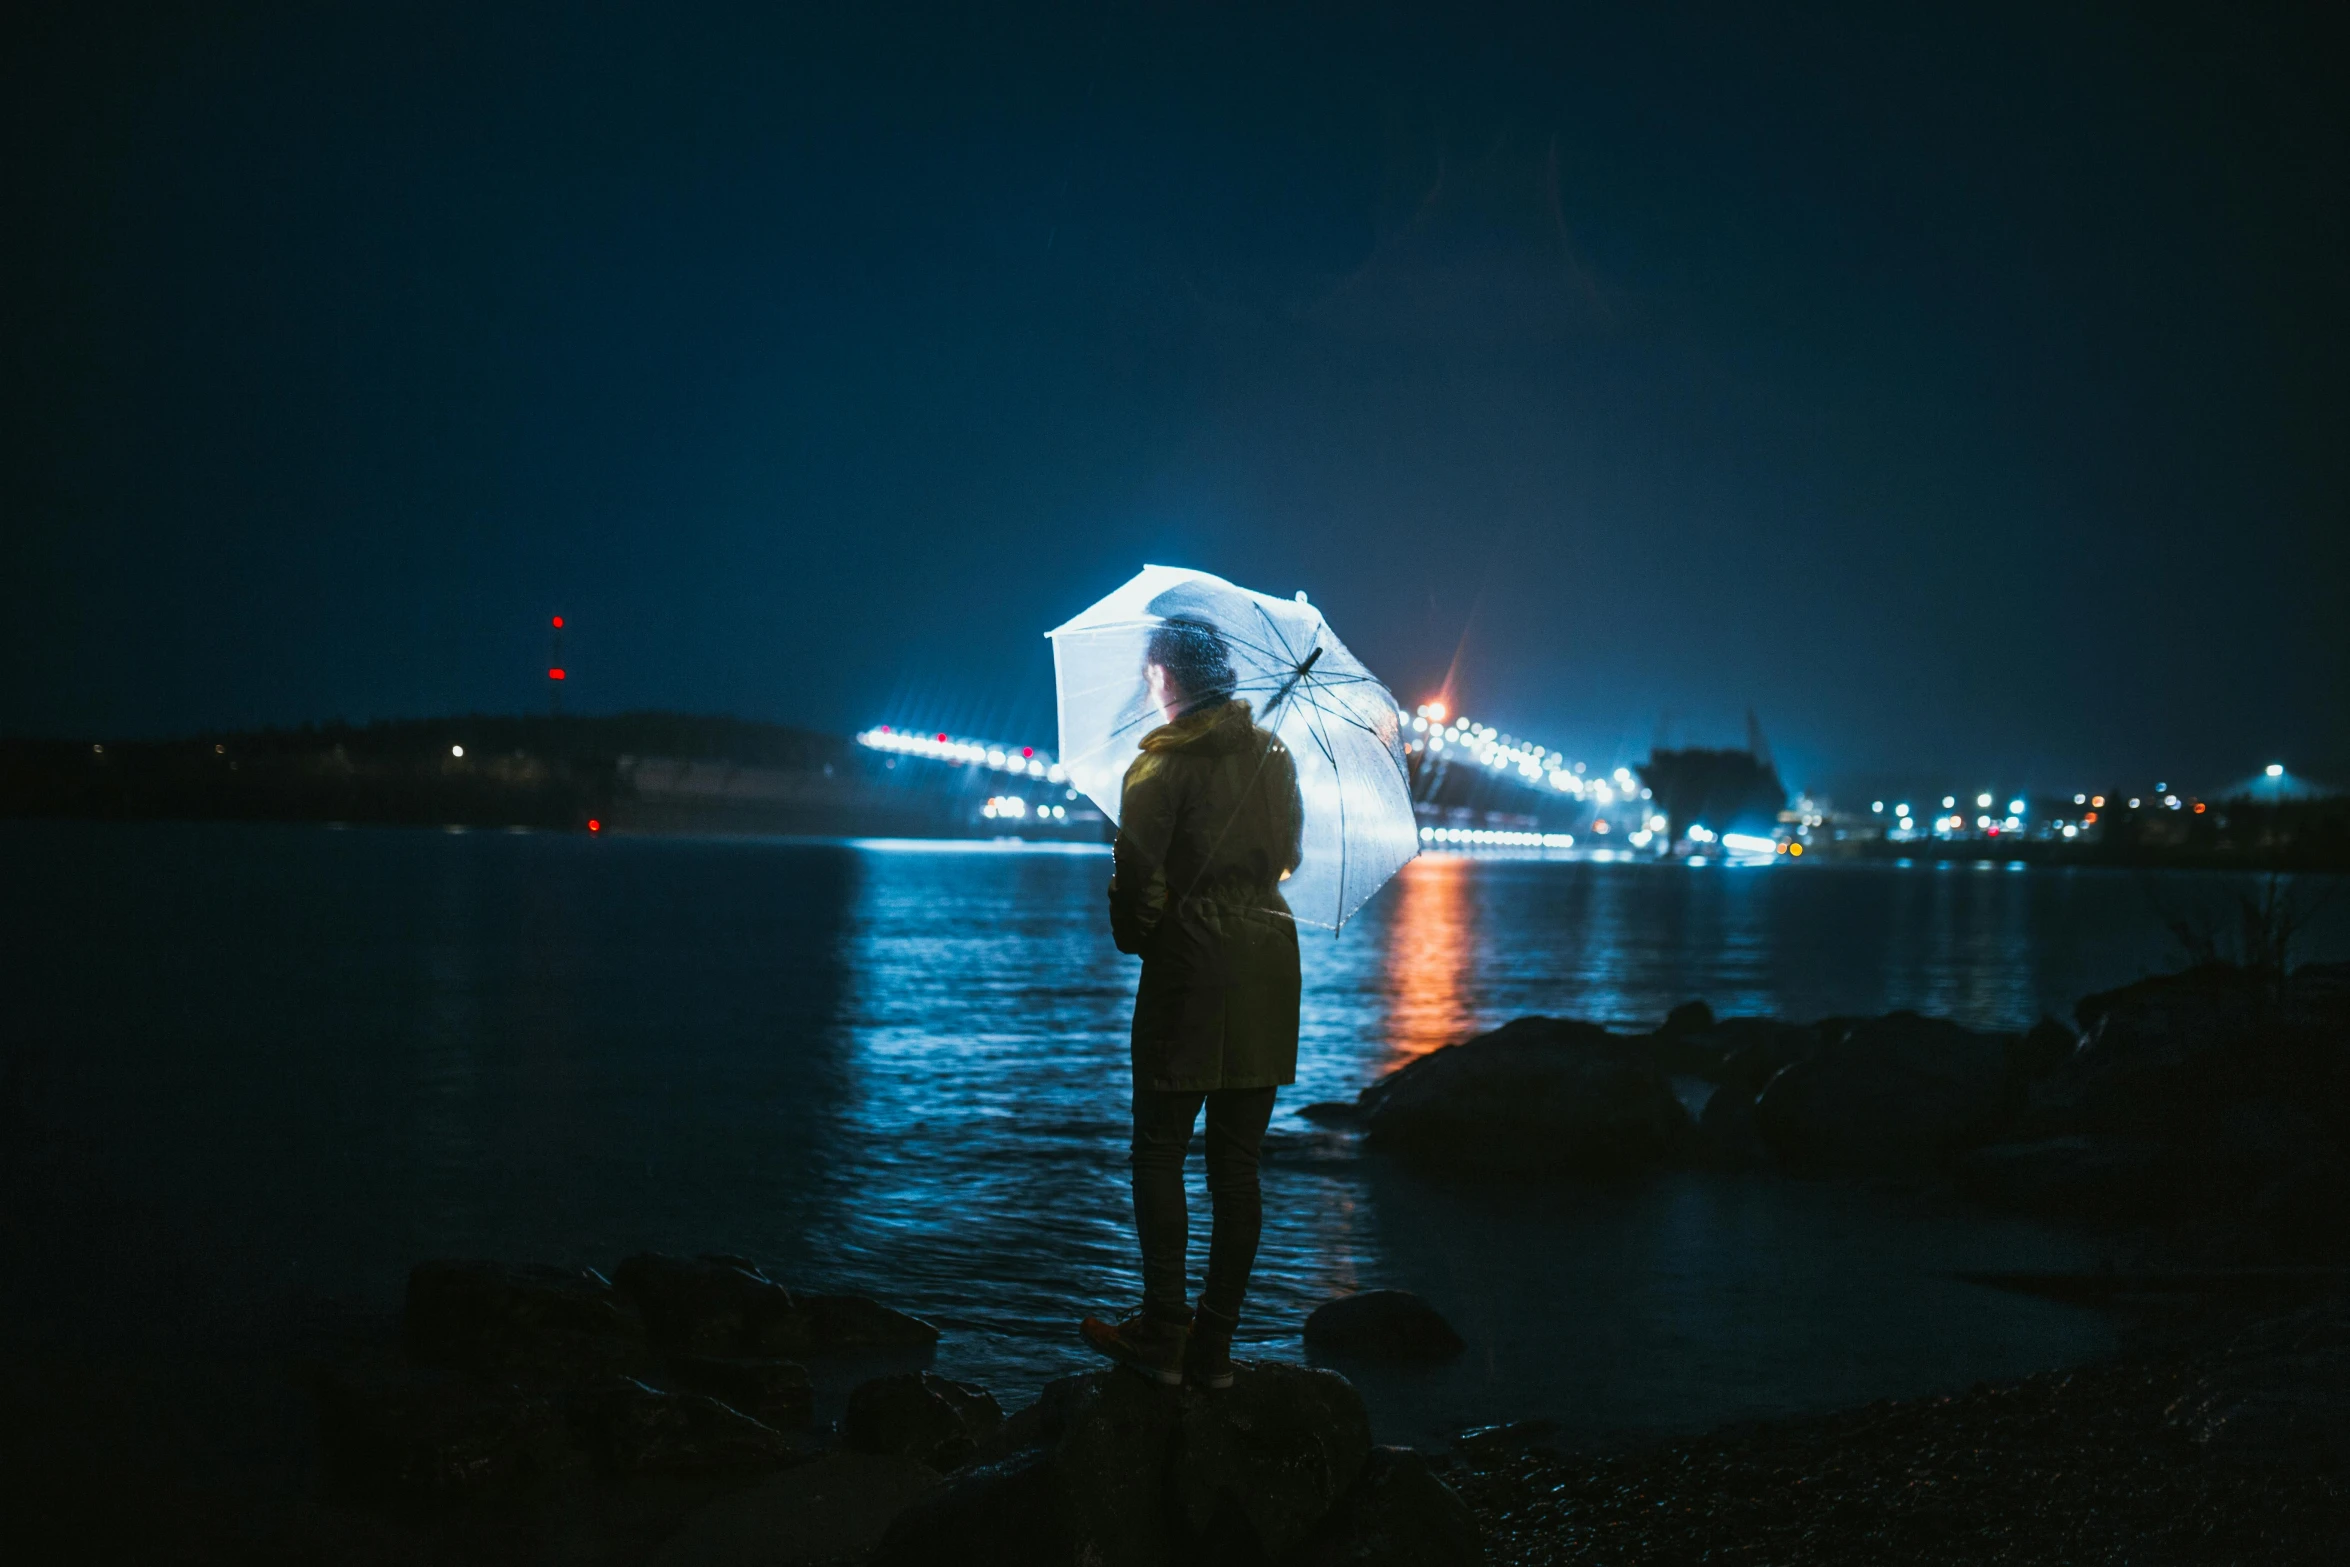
<point x="2225" y="1442"/>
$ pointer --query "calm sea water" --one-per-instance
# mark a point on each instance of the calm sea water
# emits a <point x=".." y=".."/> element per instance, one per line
<point x="269" y="1063"/>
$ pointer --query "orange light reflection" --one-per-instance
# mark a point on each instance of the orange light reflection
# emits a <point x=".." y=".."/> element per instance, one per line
<point x="1429" y="941"/>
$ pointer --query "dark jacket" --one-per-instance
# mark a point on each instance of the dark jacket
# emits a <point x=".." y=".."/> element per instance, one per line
<point x="1209" y="825"/>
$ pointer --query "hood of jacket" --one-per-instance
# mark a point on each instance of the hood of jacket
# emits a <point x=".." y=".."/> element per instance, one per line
<point x="1212" y="730"/>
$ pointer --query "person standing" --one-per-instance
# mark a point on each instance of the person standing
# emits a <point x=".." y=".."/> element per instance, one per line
<point x="1210" y="825"/>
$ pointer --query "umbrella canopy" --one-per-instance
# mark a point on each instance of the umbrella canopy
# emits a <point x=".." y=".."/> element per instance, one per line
<point x="1339" y="723"/>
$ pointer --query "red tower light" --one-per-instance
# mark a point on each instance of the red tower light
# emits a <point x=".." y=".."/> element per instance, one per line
<point x="594" y="825"/>
<point x="1028" y="750"/>
<point x="554" y="674"/>
<point x="558" y="622"/>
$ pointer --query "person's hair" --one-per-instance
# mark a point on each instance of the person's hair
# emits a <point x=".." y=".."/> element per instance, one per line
<point x="1197" y="663"/>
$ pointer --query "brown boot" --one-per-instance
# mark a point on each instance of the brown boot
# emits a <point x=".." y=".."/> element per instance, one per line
<point x="1143" y="1343"/>
<point x="1207" y="1358"/>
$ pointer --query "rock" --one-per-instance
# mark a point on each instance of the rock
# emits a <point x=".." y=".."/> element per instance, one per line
<point x="1690" y="1017"/>
<point x="1398" y="1513"/>
<point x="832" y="1510"/>
<point x="838" y="1322"/>
<point x="1130" y="1474"/>
<point x="1258" y="1466"/>
<point x="1331" y="1112"/>
<point x="528" y="1319"/>
<point x="721" y="1308"/>
<point x="773" y="1392"/>
<point x="920" y="1415"/>
<point x="725" y="1308"/>
<point x="635" y="1429"/>
<point x="390" y="1428"/>
<point x="1536" y="1096"/>
<point x="1005" y="1514"/>
<point x="2048" y="1046"/>
<point x="1382" y="1325"/>
<point x="1898" y="1093"/>
<point x="1726" y="1135"/>
<point x="1754" y="1049"/>
<point x="2074" y="1177"/>
<point x="2280" y="1395"/>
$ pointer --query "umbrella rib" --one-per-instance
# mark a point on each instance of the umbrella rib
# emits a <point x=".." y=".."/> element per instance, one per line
<point x="1323" y="740"/>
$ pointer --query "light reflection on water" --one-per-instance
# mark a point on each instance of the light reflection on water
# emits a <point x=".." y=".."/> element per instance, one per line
<point x="903" y="1070"/>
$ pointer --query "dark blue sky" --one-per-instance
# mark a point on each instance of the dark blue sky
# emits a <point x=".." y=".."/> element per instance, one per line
<point x="1964" y="395"/>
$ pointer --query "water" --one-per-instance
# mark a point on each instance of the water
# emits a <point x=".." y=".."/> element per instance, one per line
<point x="267" y="1063"/>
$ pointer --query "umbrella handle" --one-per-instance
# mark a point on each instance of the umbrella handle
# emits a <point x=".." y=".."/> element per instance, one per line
<point x="1290" y="684"/>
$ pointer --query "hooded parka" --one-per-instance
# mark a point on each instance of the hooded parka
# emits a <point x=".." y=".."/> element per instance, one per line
<point x="1210" y="823"/>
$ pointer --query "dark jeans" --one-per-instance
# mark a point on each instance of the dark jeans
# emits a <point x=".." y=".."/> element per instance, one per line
<point x="1163" y="1119"/>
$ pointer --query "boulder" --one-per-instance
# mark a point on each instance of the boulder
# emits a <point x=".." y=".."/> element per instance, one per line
<point x="773" y="1392"/>
<point x="389" y="1428"/>
<point x="1898" y="1093"/>
<point x="1755" y="1048"/>
<point x="1331" y="1112"/>
<point x="1726" y="1135"/>
<point x="832" y="1510"/>
<point x="716" y="1307"/>
<point x="725" y="1308"/>
<point x="1538" y="1095"/>
<point x="837" y="1322"/>
<point x="1690" y="1017"/>
<point x="2046" y="1047"/>
<point x="1257" y="1467"/>
<point x="1398" y="1513"/>
<point x="633" y="1429"/>
<point x="1382" y="1325"/>
<point x="529" y="1320"/>
<point x="1126" y="1473"/>
<point x="1006" y="1514"/>
<point x="920" y="1415"/>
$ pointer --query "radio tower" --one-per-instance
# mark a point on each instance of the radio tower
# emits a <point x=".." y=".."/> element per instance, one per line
<point x="555" y="669"/>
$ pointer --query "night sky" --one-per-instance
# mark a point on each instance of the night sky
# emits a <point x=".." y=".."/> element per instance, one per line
<point x="1964" y="394"/>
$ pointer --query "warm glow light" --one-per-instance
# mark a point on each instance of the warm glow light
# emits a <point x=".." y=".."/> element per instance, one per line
<point x="1436" y="711"/>
<point x="594" y="825"/>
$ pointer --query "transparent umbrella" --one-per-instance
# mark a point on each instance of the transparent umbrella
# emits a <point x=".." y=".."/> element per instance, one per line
<point x="1338" y="722"/>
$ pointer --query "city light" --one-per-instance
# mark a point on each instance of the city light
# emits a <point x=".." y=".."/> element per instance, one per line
<point x="2015" y="807"/>
<point x="1877" y="806"/>
<point x="1024" y="760"/>
<point x="1480" y="837"/>
<point x="1748" y="843"/>
<point x="2276" y="769"/>
<point x="1948" y="801"/>
<point x="1982" y="799"/>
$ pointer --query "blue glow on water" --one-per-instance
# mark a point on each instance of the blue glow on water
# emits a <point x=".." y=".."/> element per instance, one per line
<point x="310" y="1058"/>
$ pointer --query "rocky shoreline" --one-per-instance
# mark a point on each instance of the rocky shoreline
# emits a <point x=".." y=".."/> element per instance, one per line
<point x="2230" y="1447"/>
<point x="2203" y="1114"/>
